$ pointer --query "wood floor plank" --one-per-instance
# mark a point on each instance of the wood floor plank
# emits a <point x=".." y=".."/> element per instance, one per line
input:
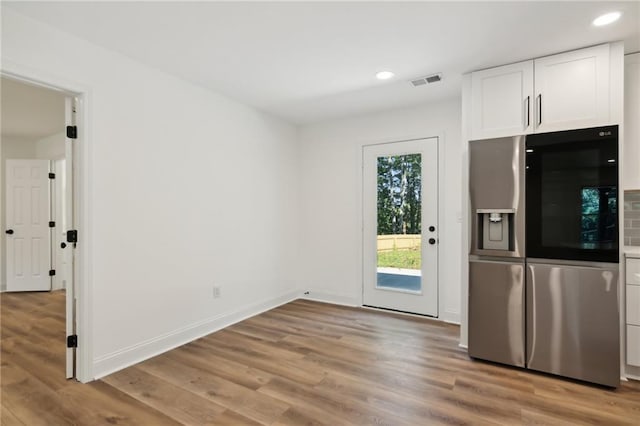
<point x="301" y="363"/>
<point x="261" y="333"/>
<point x="246" y="402"/>
<point x="199" y="356"/>
<point x="294" y="369"/>
<point x="99" y="403"/>
<point x="400" y="404"/>
<point x="7" y="418"/>
<point x="31" y="400"/>
<point x="295" y="416"/>
<point x="318" y="405"/>
<point x="176" y="402"/>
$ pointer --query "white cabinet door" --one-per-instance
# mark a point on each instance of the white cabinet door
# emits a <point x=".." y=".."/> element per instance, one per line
<point x="633" y="271"/>
<point x="633" y="305"/>
<point x="572" y="90"/>
<point x="633" y="345"/>
<point x="631" y="179"/>
<point x="502" y="101"/>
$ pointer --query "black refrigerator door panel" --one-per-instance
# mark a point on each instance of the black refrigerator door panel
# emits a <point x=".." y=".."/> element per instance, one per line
<point x="496" y="311"/>
<point x="572" y="197"/>
<point x="573" y="325"/>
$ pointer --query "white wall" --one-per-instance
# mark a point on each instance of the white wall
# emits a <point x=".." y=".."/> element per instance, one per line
<point x="331" y="197"/>
<point x="187" y="189"/>
<point x="51" y="147"/>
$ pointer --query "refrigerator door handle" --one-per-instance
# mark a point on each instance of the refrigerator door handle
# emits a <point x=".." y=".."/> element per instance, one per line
<point x="530" y="305"/>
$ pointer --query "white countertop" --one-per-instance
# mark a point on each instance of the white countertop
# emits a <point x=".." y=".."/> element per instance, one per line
<point x="632" y="251"/>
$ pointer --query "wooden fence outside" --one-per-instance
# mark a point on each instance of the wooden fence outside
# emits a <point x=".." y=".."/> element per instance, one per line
<point x="399" y="242"/>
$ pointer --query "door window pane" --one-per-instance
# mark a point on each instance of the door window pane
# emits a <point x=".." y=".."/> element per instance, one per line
<point x="399" y="222"/>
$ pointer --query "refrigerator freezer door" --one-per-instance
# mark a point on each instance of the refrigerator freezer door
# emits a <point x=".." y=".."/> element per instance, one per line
<point x="496" y="184"/>
<point x="573" y="321"/>
<point x="496" y="311"/>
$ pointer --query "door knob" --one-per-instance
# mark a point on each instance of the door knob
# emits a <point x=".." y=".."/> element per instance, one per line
<point x="9" y="231"/>
<point x="63" y="245"/>
<point x="432" y="241"/>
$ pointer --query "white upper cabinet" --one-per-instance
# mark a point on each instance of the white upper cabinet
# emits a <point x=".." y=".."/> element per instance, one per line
<point x="560" y="92"/>
<point x="631" y="154"/>
<point x="502" y="101"/>
<point x="572" y="90"/>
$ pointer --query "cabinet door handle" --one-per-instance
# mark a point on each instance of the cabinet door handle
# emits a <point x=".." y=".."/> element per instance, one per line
<point x="528" y="112"/>
<point x="539" y="99"/>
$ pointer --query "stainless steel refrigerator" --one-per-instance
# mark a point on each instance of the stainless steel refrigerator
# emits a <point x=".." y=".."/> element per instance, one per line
<point x="543" y="271"/>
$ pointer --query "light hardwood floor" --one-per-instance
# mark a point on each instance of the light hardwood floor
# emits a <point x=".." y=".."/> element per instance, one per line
<point x="302" y="363"/>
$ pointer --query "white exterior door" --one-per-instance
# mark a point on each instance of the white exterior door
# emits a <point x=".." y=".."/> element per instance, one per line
<point x="400" y="225"/>
<point x="27" y="225"/>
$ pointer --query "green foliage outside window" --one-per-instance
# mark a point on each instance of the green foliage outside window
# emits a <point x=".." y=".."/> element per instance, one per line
<point x="399" y="194"/>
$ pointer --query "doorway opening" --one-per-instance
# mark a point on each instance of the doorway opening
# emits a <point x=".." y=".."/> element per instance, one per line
<point x="37" y="162"/>
<point x="400" y="218"/>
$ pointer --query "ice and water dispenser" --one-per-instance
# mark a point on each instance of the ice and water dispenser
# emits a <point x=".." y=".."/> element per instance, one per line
<point x="495" y="229"/>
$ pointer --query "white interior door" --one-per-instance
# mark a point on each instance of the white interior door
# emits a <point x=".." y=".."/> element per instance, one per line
<point x="67" y="219"/>
<point x="400" y="215"/>
<point x="28" y="247"/>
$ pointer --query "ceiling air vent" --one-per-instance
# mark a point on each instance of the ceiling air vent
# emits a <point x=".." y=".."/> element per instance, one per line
<point x="434" y="78"/>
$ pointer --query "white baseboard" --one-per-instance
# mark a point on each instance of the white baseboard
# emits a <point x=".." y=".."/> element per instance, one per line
<point x="331" y="298"/>
<point x="463" y="346"/>
<point x="450" y="317"/>
<point x="447" y="316"/>
<point x="134" y="354"/>
<point x="632" y="372"/>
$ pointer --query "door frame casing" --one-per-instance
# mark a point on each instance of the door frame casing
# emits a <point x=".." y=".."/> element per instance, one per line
<point x="441" y="212"/>
<point x="82" y="205"/>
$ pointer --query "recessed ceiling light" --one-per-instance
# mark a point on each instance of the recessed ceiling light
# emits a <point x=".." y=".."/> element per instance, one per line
<point x="384" y="75"/>
<point x="606" y="19"/>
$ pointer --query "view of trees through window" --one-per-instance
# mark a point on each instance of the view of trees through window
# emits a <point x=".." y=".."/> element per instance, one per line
<point x="399" y="211"/>
<point x="399" y="194"/>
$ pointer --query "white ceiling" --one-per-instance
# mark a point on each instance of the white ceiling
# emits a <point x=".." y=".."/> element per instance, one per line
<point x="30" y="112"/>
<point x="311" y="61"/>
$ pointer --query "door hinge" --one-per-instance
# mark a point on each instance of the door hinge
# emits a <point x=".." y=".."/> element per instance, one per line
<point x="72" y="236"/>
<point x="52" y="224"/>
<point x="72" y="132"/>
<point x="52" y="175"/>
<point x="72" y="341"/>
<point x="52" y="272"/>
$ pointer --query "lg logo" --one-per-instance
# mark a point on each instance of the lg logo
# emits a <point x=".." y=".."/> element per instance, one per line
<point x="605" y="133"/>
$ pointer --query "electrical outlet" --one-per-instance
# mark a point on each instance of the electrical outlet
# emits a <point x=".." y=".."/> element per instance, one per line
<point x="216" y="292"/>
